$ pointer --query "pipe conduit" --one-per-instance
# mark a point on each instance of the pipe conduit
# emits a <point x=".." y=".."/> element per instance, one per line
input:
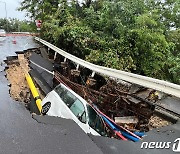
<point x="34" y="91"/>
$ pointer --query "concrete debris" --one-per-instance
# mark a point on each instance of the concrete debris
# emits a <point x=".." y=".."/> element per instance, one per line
<point x="157" y="122"/>
<point x="75" y="72"/>
<point x="111" y="101"/>
<point x="126" y="120"/>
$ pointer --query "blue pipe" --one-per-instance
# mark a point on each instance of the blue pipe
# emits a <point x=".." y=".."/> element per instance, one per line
<point x="141" y="134"/>
<point x="109" y="123"/>
<point x="114" y="127"/>
<point x="127" y="135"/>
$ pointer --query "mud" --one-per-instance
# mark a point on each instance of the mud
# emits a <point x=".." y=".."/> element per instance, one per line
<point x="19" y="90"/>
<point x="17" y="67"/>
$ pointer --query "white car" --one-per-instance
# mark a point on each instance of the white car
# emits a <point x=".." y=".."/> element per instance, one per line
<point x="2" y="33"/>
<point x="65" y="103"/>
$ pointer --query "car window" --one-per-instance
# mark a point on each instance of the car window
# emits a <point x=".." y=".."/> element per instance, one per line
<point x="75" y="105"/>
<point x="60" y="90"/>
<point x="95" y="121"/>
<point x="65" y="95"/>
<point x="79" y="111"/>
<point x="92" y="116"/>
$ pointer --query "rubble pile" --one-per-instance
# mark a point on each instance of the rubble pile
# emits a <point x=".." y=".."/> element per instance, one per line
<point x="128" y="105"/>
<point x="157" y="122"/>
<point x="114" y="103"/>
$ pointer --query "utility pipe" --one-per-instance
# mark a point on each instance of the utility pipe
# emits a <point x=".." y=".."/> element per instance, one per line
<point x="34" y="91"/>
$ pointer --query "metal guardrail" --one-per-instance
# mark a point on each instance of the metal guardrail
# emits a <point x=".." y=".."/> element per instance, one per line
<point x="160" y="85"/>
<point x="21" y="33"/>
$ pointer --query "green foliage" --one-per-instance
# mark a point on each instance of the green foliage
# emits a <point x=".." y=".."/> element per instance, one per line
<point x="139" y="36"/>
<point x="15" y="25"/>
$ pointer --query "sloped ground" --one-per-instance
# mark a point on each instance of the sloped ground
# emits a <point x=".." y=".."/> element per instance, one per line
<point x="19" y="90"/>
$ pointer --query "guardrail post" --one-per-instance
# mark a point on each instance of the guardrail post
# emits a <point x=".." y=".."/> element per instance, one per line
<point x="75" y="72"/>
<point x="64" y="64"/>
<point x="77" y="67"/>
<point x="55" y="55"/>
<point x="48" y="50"/>
<point x="92" y="75"/>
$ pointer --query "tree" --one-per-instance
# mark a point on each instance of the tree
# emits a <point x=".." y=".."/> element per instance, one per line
<point x="137" y="36"/>
<point x="15" y="25"/>
<point x="38" y="9"/>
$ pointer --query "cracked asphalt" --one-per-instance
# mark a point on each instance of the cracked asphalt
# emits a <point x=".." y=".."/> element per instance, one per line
<point x="20" y="133"/>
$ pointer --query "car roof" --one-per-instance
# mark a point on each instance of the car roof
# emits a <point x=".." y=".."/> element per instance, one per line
<point x="79" y="97"/>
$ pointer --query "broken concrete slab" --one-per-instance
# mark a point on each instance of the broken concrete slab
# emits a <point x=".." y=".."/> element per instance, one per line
<point x="171" y="103"/>
<point x="126" y="120"/>
<point x="114" y="146"/>
<point x="136" y="101"/>
<point x="43" y="66"/>
<point x="40" y="81"/>
<point x="36" y="58"/>
<point x="44" y="53"/>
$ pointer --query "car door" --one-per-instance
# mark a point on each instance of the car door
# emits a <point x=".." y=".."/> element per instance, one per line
<point x="58" y="99"/>
<point x="75" y="109"/>
<point x="57" y="106"/>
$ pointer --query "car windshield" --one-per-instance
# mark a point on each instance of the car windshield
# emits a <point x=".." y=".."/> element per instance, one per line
<point x="95" y="121"/>
<point x="74" y="104"/>
<point x="65" y="95"/>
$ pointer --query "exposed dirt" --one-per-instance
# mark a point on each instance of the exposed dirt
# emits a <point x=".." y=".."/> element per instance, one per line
<point x="18" y="86"/>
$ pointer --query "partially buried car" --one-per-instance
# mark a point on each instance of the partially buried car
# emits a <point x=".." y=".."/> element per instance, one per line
<point x="65" y="103"/>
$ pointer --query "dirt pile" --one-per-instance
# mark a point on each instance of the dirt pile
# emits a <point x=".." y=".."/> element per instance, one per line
<point x="19" y="90"/>
<point x="157" y="122"/>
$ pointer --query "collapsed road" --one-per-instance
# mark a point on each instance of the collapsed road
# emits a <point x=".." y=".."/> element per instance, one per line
<point x="20" y="133"/>
<point x="63" y="130"/>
